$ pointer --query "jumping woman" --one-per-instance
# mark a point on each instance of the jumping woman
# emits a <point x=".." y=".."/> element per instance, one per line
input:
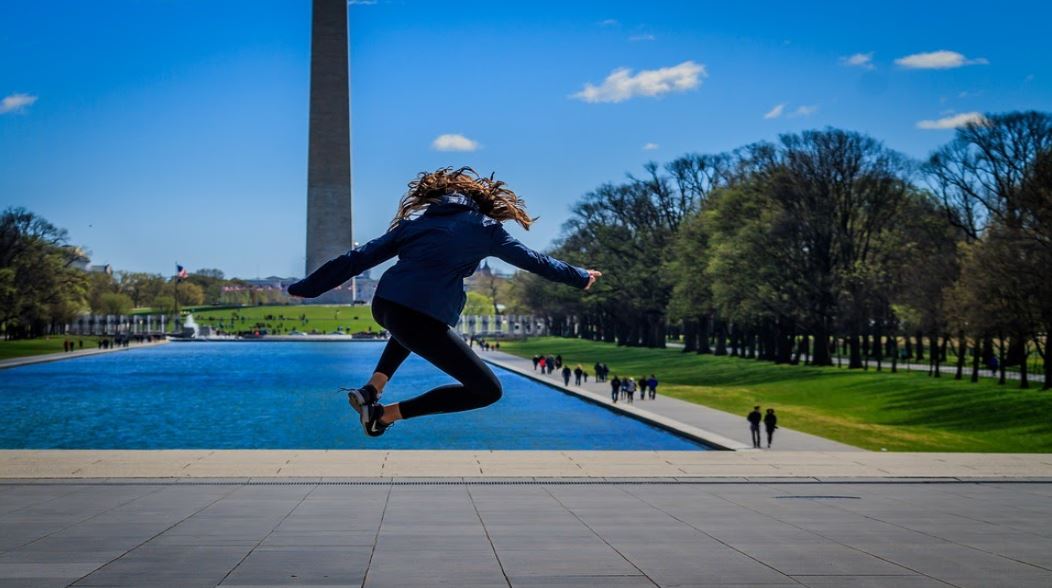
<point x="447" y="222"/>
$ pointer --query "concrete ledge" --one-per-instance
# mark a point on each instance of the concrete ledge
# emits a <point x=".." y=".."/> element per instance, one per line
<point x="321" y="465"/>
<point x="689" y="431"/>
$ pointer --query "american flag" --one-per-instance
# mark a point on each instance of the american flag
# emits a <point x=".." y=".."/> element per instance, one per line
<point x="180" y="272"/>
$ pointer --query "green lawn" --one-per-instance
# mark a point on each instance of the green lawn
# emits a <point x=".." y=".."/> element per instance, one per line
<point x="25" y="347"/>
<point x="873" y="410"/>
<point x="323" y="319"/>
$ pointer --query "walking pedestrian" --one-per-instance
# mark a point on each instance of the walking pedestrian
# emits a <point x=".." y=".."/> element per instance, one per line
<point x="615" y="389"/>
<point x="577" y="371"/>
<point x="566" y="375"/>
<point x="598" y="367"/>
<point x="652" y="384"/>
<point x="642" y="387"/>
<point x="770" y="421"/>
<point x="630" y="388"/>
<point x="754" y="418"/>
<point x="536" y="360"/>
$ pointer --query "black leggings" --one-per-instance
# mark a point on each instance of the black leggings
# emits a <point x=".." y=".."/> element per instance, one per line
<point x="430" y="338"/>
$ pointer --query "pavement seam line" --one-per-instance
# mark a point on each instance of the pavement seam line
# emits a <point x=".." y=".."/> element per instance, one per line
<point x="269" y="533"/>
<point x="600" y="537"/>
<point x="156" y="535"/>
<point x="710" y="536"/>
<point x="851" y="547"/>
<point x="489" y="539"/>
<point x="376" y="537"/>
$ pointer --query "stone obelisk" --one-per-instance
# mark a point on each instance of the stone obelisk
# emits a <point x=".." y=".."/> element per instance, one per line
<point x="329" y="151"/>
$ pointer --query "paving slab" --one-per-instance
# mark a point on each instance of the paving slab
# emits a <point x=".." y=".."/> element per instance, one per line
<point x="541" y="533"/>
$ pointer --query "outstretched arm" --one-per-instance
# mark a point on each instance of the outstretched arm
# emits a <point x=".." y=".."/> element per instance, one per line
<point x="340" y="269"/>
<point x="511" y="250"/>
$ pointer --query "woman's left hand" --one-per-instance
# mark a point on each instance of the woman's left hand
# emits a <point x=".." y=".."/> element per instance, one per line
<point x="593" y="275"/>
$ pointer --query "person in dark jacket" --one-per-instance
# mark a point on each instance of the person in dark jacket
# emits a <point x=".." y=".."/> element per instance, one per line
<point x="755" y="418"/>
<point x="642" y="387"/>
<point x="615" y="389"/>
<point x="652" y="383"/>
<point x="577" y="373"/>
<point x="598" y="367"/>
<point x="536" y="360"/>
<point x="566" y="375"/>
<point x="447" y="222"/>
<point x="770" y="422"/>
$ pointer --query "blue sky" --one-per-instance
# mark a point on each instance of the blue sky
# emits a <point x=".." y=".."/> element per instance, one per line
<point x="158" y="131"/>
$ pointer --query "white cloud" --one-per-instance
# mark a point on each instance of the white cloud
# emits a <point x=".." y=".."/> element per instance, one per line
<point x="650" y="146"/>
<point x="775" y="112"/>
<point x="610" y="22"/>
<point x="863" y="60"/>
<point x="804" y="111"/>
<point x="952" y="122"/>
<point x="941" y="59"/>
<point x="16" y="103"/>
<point x="454" y="142"/>
<point x="643" y="37"/>
<point x="621" y="85"/>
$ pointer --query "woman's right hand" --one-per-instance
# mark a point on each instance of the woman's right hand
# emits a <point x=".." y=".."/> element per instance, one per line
<point x="593" y="275"/>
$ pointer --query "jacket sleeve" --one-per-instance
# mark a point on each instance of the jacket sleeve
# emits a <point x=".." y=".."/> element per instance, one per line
<point x="340" y="269"/>
<point x="511" y="250"/>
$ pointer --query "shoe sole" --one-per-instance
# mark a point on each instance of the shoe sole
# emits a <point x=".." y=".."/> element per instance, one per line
<point x="357" y="402"/>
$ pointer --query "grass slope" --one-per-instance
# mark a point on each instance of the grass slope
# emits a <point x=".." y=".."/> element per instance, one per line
<point x="869" y="409"/>
<point x="323" y="319"/>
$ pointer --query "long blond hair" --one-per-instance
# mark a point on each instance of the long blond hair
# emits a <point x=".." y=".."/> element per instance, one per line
<point x="492" y="198"/>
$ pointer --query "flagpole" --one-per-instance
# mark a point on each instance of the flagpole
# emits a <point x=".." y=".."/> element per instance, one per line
<point x="175" y="289"/>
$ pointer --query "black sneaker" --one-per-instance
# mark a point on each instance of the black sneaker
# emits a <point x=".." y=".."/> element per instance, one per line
<point x="360" y="397"/>
<point x="371" y="414"/>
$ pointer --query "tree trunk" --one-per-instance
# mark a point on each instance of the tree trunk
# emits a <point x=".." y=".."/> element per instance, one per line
<point x="1024" y="380"/>
<point x="820" y="355"/>
<point x="920" y="347"/>
<point x="962" y="351"/>
<point x="721" y="338"/>
<point x="1047" y="358"/>
<point x="1001" y="351"/>
<point x="703" y="335"/>
<point x="804" y="350"/>
<point x="975" y="361"/>
<point x="894" y="353"/>
<point x="933" y="341"/>
<point x="878" y="349"/>
<point x="690" y="336"/>
<point x="855" y="361"/>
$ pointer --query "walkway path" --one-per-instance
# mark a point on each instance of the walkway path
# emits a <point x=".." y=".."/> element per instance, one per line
<point x="46" y="357"/>
<point x="725" y="429"/>
<point x="532" y="534"/>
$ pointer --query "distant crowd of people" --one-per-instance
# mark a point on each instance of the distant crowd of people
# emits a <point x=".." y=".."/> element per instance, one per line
<point x="483" y="344"/>
<point x="770" y="422"/>
<point x="117" y="341"/>
<point x="621" y="389"/>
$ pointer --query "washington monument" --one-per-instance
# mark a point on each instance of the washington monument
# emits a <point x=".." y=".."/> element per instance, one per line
<point x="329" y="151"/>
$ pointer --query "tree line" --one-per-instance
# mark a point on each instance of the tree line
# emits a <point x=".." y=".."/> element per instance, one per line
<point x="822" y="244"/>
<point x="44" y="285"/>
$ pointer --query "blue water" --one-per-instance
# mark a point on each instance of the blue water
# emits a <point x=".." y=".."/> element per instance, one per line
<point x="282" y="396"/>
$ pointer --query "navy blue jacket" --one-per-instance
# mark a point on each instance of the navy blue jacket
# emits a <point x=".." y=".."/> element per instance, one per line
<point x="436" y="251"/>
